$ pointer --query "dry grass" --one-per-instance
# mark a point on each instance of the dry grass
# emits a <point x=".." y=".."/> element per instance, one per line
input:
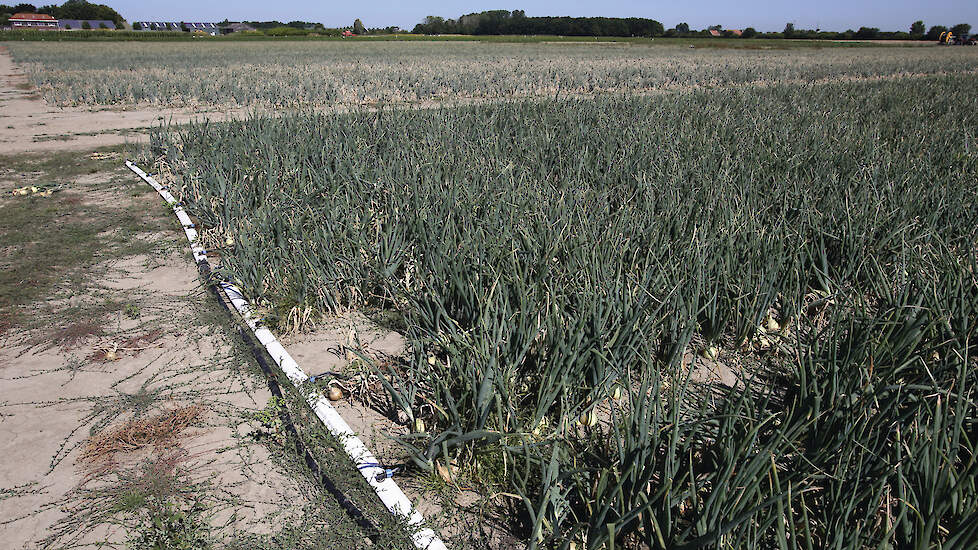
<point x="162" y="431"/>
<point x="74" y="334"/>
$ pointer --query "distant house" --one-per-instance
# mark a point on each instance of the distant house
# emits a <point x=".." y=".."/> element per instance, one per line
<point x="39" y="21"/>
<point x="232" y="28"/>
<point x="212" y="29"/>
<point x="727" y="32"/>
<point x="76" y="24"/>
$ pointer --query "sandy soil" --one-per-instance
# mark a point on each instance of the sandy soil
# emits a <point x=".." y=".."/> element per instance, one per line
<point x="54" y="398"/>
<point x="29" y="124"/>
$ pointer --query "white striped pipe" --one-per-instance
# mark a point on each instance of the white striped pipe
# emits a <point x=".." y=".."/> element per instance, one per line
<point x="387" y="490"/>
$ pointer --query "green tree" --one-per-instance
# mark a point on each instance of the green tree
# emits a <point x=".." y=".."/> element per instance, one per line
<point x="961" y="29"/>
<point x="358" y="27"/>
<point x="867" y="33"/>
<point x="81" y="9"/>
<point x="682" y="28"/>
<point x="789" y="30"/>
<point x="917" y="29"/>
<point x="935" y="32"/>
<point x="86" y="25"/>
<point x="749" y="32"/>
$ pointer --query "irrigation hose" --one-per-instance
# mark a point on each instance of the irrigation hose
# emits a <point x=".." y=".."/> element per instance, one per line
<point x="369" y="467"/>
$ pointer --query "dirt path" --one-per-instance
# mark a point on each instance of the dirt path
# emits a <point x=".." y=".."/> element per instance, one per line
<point x="29" y="124"/>
<point x="127" y="401"/>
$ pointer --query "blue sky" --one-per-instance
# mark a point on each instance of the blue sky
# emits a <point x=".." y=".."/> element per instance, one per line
<point x="764" y="15"/>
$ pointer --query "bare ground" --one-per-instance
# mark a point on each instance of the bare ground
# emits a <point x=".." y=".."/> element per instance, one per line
<point x="124" y="337"/>
<point x="29" y="124"/>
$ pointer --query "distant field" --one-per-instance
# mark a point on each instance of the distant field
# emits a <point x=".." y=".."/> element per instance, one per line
<point x="320" y="74"/>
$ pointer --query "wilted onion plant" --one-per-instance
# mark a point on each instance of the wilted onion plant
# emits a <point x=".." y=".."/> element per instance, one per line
<point x="559" y="264"/>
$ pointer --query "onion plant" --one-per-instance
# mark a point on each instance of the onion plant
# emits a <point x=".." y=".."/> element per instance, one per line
<point x="560" y="263"/>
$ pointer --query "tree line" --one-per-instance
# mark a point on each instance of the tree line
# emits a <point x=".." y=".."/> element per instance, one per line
<point x="72" y="9"/>
<point x="499" y="22"/>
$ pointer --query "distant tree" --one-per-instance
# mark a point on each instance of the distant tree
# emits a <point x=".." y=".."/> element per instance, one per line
<point x="867" y="33"/>
<point x="715" y="28"/>
<point x="961" y="29"/>
<point x="81" y="9"/>
<point x="749" y="32"/>
<point x="358" y="27"/>
<point x="137" y="26"/>
<point x="86" y="25"/>
<point x="103" y="26"/>
<point x="25" y="8"/>
<point x="184" y="27"/>
<point x="789" y="30"/>
<point x="682" y="28"/>
<point x="500" y="22"/>
<point x="935" y="32"/>
<point x="918" y="28"/>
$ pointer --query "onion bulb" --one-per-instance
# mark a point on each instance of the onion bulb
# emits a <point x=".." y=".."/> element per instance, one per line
<point x="590" y="418"/>
<point x="763" y="343"/>
<point x="334" y="394"/>
<point x="712" y="353"/>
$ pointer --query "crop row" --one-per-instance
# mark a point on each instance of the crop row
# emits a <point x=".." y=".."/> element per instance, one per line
<point x="328" y="74"/>
<point x="562" y="267"/>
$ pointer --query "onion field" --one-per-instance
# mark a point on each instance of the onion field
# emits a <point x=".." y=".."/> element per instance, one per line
<point x="325" y="75"/>
<point x="563" y="267"/>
